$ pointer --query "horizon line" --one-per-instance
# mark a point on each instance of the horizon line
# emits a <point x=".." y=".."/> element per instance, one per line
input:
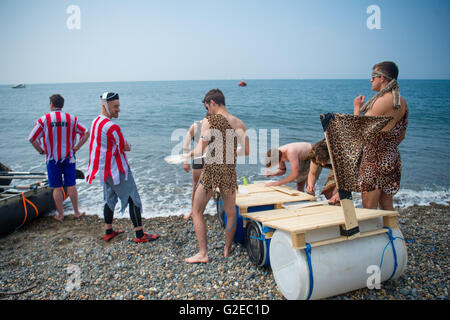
<point x="236" y="79"/>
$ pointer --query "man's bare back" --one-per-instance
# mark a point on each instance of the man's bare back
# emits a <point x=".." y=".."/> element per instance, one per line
<point x="299" y="150"/>
<point x="297" y="154"/>
<point x="240" y="129"/>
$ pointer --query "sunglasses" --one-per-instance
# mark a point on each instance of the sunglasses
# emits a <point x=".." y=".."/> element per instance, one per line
<point x="376" y="74"/>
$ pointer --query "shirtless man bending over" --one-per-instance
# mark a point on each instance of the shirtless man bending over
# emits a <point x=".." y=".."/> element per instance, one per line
<point x="297" y="154"/>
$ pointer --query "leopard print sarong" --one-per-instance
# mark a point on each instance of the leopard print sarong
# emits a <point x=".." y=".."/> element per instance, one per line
<point x="347" y="135"/>
<point x="381" y="166"/>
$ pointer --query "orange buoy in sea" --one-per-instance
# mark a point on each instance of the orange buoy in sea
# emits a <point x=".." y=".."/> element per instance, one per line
<point x="242" y="84"/>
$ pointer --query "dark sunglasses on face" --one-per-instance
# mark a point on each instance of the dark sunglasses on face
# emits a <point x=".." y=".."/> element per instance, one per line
<point x="375" y="74"/>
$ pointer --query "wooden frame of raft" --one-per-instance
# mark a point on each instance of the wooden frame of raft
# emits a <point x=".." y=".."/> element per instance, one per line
<point x="307" y="216"/>
<point x="298" y="221"/>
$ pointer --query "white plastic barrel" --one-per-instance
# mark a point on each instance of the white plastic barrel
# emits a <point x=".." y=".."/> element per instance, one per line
<point x="337" y="268"/>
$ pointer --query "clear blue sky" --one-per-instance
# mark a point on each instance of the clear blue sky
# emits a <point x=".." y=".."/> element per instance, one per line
<point x="232" y="39"/>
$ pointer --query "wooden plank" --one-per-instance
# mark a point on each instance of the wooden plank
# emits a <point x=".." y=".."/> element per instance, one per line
<point x="268" y="215"/>
<point x="331" y="157"/>
<point x="306" y="204"/>
<point x="253" y="188"/>
<point x="283" y="189"/>
<point x="268" y="235"/>
<point x="349" y="215"/>
<point x="390" y="221"/>
<point x="241" y="212"/>
<point x="343" y="238"/>
<point x="293" y="225"/>
<point x="318" y="212"/>
<point x="298" y="240"/>
<point x="273" y="197"/>
<point x="291" y="212"/>
<point x="302" y="223"/>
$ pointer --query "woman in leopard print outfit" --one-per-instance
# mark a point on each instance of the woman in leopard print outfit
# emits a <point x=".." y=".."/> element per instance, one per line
<point x="380" y="171"/>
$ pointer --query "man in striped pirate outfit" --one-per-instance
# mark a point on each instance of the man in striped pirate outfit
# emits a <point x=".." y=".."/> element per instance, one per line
<point x="107" y="159"/>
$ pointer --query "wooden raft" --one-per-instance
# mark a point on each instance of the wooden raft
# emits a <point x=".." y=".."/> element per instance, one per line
<point x="298" y="221"/>
<point x="257" y="195"/>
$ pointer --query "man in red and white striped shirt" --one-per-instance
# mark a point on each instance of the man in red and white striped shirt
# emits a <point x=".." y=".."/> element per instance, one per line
<point x="107" y="159"/>
<point x="58" y="131"/>
<point x="107" y="149"/>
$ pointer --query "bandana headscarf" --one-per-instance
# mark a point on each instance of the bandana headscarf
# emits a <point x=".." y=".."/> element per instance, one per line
<point x="108" y="96"/>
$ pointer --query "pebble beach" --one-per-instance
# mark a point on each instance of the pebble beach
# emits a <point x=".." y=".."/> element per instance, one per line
<point x="40" y="260"/>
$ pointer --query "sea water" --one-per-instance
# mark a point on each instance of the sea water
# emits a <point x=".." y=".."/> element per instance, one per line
<point x="155" y="114"/>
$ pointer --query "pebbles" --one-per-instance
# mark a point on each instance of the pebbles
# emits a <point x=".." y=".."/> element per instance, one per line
<point x="46" y="253"/>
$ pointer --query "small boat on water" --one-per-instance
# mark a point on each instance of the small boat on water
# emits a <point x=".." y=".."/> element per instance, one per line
<point x="242" y="84"/>
<point x="19" y="86"/>
<point x="20" y="204"/>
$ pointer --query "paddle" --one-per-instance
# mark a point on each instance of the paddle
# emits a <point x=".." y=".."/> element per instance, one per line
<point x="32" y="175"/>
<point x="25" y="187"/>
<point x="16" y="173"/>
<point x="8" y="177"/>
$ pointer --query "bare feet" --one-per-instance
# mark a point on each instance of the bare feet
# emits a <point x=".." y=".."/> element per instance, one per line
<point x="79" y="214"/>
<point x="198" y="258"/>
<point x="58" y="217"/>
<point x="187" y="216"/>
<point x="227" y="251"/>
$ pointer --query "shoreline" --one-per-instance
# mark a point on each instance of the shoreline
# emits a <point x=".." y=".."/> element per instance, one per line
<point x="42" y="253"/>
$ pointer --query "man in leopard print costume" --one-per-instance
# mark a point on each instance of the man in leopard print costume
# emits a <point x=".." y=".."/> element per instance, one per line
<point x="220" y="135"/>
<point x="380" y="171"/>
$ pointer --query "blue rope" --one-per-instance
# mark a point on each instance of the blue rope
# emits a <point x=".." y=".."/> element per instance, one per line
<point x="218" y="204"/>
<point x="391" y="241"/>
<point x="311" y="277"/>
<point x="267" y="229"/>
<point x="232" y="224"/>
